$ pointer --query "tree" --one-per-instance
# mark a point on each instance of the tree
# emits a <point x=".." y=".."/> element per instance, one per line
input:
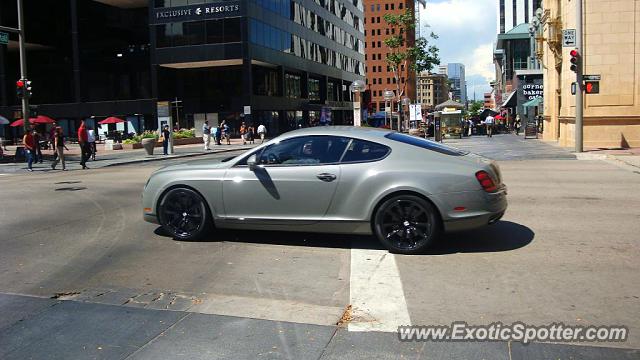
<point x="417" y="58"/>
<point x="475" y="108"/>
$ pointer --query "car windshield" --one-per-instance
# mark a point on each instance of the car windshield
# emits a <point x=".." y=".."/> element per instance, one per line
<point x="426" y="144"/>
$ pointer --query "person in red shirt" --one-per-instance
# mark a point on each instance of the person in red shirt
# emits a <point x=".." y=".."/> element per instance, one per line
<point x="83" y="140"/>
<point x="29" y="146"/>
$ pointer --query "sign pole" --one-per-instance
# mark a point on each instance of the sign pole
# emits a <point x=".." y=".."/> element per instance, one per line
<point x="23" y="66"/>
<point x="579" y="85"/>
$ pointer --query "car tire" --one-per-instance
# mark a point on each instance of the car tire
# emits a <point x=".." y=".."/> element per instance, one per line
<point x="183" y="213"/>
<point x="406" y="224"/>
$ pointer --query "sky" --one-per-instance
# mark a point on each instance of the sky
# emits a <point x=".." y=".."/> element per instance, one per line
<point x="467" y="30"/>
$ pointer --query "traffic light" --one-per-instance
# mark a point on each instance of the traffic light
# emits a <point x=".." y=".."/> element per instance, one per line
<point x="20" y="89"/>
<point x="27" y="88"/>
<point x="575" y="60"/>
<point x="592" y="87"/>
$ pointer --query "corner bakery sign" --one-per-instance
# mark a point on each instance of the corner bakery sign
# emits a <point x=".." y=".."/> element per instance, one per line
<point x="196" y="12"/>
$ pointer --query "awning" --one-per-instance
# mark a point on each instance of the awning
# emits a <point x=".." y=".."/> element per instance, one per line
<point x="511" y="100"/>
<point x="533" y="103"/>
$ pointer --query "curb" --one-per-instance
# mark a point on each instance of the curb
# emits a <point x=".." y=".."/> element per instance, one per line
<point x="174" y="157"/>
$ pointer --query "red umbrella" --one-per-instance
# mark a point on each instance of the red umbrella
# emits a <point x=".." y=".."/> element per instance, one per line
<point x="111" y="120"/>
<point x="498" y="117"/>
<point x="20" y="122"/>
<point x="43" y="119"/>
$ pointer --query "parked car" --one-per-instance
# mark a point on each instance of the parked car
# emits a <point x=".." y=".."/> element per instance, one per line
<point x="405" y="190"/>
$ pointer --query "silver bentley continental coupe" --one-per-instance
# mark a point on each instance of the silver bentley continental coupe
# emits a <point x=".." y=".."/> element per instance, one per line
<point x="403" y="189"/>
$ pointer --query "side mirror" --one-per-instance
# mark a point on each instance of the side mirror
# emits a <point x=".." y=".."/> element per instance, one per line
<point x="252" y="162"/>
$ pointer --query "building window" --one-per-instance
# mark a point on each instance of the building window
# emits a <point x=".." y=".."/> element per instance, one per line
<point x="392" y="6"/>
<point x="400" y="6"/>
<point x="386" y="6"/>
<point x="314" y="89"/>
<point x="292" y="86"/>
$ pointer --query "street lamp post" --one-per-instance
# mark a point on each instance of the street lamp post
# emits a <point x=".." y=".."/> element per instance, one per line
<point x="388" y="95"/>
<point x="405" y="102"/>
<point x="356" y="88"/>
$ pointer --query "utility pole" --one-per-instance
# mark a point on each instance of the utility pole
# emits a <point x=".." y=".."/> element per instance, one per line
<point x="23" y="62"/>
<point x="579" y="85"/>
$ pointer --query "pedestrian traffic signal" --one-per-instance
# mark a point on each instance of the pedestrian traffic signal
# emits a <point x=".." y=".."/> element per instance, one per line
<point x="575" y="60"/>
<point x="592" y="87"/>
<point x="27" y="88"/>
<point x="20" y="89"/>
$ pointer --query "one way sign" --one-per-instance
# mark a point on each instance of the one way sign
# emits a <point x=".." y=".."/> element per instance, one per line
<point x="569" y="38"/>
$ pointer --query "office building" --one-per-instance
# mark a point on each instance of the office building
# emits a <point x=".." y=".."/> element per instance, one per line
<point x="277" y="62"/>
<point x="511" y="13"/>
<point x="433" y="89"/>
<point x="379" y="74"/>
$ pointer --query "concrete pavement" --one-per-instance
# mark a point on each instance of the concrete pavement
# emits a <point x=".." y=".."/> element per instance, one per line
<point x="566" y="251"/>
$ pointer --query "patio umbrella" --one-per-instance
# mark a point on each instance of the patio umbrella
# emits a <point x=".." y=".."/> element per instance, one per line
<point x="4" y="121"/>
<point x="498" y="117"/>
<point x="20" y="122"/>
<point x="43" y="119"/>
<point x="111" y="120"/>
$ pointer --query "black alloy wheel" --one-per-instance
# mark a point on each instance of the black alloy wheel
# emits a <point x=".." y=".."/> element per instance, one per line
<point x="183" y="213"/>
<point x="406" y="224"/>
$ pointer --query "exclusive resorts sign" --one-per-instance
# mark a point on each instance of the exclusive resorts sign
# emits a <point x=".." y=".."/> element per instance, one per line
<point x="196" y="12"/>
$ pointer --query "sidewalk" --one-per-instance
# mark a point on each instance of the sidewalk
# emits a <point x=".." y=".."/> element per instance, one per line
<point x="630" y="157"/>
<point x="106" y="158"/>
<point x="38" y="328"/>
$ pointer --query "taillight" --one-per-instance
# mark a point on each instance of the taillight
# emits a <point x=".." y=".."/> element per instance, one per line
<point x="486" y="181"/>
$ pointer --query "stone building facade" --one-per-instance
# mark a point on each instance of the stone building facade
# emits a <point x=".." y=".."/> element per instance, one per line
<point x="611" y="48"/>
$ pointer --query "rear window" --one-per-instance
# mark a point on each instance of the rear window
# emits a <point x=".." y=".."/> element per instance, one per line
<point x="426" y="144"/>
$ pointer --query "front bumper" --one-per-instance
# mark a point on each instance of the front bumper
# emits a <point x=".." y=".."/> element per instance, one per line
<point x="152" y="218"/>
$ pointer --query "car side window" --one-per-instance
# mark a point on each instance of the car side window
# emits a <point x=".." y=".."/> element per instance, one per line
<point x="304" y="150"/>
<point x="362" y="151"/>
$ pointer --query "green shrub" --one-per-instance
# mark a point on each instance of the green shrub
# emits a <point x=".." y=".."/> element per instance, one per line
<point x="130" y="141"/>
<point x="184" y="134"/>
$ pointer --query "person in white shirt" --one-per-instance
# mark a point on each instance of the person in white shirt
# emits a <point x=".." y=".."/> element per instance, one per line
<point x="91" y="139"/>
<point x="262" y="131"/>
<point x="489" y="123"/>
<point x="206" y="134"/>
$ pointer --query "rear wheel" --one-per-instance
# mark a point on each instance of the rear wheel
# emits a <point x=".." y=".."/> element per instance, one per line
<point x="406" y="224"/>
<point x="183" y="213"/>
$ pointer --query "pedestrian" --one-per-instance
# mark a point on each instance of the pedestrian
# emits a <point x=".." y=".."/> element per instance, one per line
<point x="251" y="133"/>
<point x="243" y="133"/>
<point x="29" y="147"/>
<point x="83" y="141"/>
<point x="517" y="124"/>
<point x="37" y="150"/>
<point x="214" y="134"/>
<point x="52" y="138"/>
<point x="206" y="134"/>
<point x="58" y="141"/>
<point x="166" y="135"/>
<point x="91" y="139"/>
<point x="225" y="132"/>
<point x="219" y="134"/>
<point x="489" y="124"/>
<point x="262" y="132"/>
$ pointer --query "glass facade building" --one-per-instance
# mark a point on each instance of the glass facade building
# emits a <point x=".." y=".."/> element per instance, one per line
<point x="277" y="62"/>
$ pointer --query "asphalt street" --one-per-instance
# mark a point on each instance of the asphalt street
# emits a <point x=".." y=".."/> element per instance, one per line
<point x="82" y="276"/>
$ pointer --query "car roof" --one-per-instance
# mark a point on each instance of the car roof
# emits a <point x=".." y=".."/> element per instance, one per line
<point x="366" y="133"/>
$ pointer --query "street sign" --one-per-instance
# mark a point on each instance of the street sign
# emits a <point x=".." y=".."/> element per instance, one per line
<point x="569" y="38"/>
<point x="591" y="77"/>
<point x="4" y="38"/>
<point x="573" y="88"/>
<point x="247" y="109"/>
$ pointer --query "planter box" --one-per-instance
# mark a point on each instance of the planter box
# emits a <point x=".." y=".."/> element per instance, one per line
<point x="132" y="146"/>
<point x="185" y="141"/>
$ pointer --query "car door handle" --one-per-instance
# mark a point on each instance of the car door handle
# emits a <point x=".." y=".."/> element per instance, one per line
<point x="326" y="177"/>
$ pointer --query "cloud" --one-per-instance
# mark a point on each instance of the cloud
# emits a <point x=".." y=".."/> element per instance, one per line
<point x="467" y="30"/>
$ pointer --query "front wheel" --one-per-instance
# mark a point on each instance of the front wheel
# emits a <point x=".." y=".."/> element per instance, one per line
<point x="183" y="213"/>
<point x="406" y="224"/>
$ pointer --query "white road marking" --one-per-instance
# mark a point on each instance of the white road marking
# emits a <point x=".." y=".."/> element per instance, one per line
<point x="376" y="292"/>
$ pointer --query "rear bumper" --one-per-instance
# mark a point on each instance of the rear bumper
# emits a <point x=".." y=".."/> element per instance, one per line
<point x="482" y="209"/>
<point x="152" y="218"/>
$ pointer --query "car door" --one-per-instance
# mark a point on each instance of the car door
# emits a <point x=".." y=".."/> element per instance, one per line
<point x="294" y="182"/>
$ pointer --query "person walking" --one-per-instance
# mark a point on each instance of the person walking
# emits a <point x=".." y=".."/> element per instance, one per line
<point x="58" y="140"/>
<point x="243" y="133"/>
<point x="489" y="124"/>
<point x="166" y="135"/>
<point x="37" y="150"/>
<point x="225" y="132"/>
<point x="262" y="132"/>
<point x="206" y="134"/>
<point x="91" y="139"/>
<point x="29" y="147"/>
<point x="517" y="124"/>
<point x="83" y="141"/>
<point x="251" y="132"/>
